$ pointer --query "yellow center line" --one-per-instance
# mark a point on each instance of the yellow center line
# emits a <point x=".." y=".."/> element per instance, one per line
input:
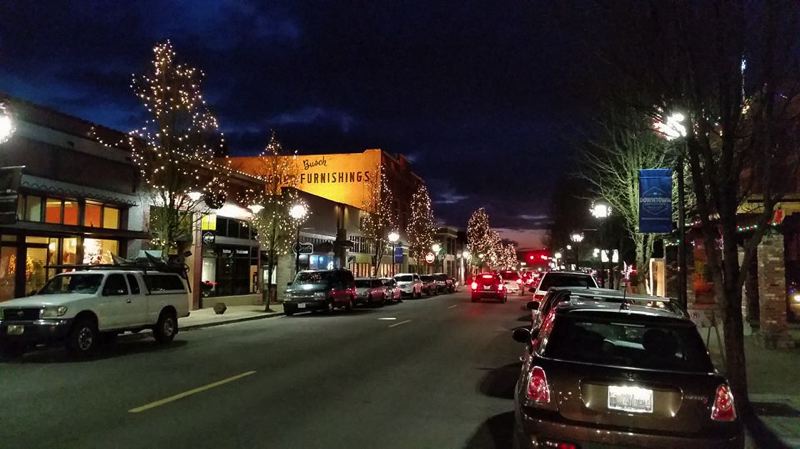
<point x="178" y="396"/>
<point x="400" y="323"/>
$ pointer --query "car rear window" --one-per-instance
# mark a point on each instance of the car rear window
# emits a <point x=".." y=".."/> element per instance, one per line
<point x="629" y="343"/>
<point x="363" y="283"/>
<point x="486" y="279"/>
<point x="314" y="277"/>
<point x="426" y="278"/>
<point x="509" y="276"/>
<point x="163" y="282"/>
<point x="404" y="278"/>
<point x="566" y="280"/>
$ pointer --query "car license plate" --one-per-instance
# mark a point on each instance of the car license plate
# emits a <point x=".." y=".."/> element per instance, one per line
<point x="301" y="305"/>
<point x="630" y="399"/>
<point x="15" y="329"/>
<point x="487" y="287"/>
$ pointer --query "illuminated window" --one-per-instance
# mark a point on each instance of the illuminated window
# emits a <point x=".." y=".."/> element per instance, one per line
<point x="110" y="217"/>
<point x="33" y="208"/>
<point x="99" y="251"/>
<point x="93" y="214"/>
<point x="52" y="212"/>
<point x="70" y="213"/>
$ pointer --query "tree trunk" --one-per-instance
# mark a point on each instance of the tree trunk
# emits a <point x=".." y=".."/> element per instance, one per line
<point x="266" y="292"/>
<point x="736" y="366"/>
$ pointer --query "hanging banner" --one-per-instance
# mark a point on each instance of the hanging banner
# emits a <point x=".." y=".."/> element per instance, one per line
<point x="655" y="201"/>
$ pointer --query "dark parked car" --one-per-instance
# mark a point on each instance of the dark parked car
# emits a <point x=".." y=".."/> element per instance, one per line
<point x="443" y="283"/>
<point x="320" y="290"/>
<point x="620" y="374"/>
<point x="488" y="285"/>
<point x="429" y="284"/>
<point x="562" y="279"/>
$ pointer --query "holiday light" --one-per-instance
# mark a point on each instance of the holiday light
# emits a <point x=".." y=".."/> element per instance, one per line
<point x="421" y="226"/>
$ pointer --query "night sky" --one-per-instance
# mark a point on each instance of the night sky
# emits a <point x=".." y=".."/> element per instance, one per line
<point x="476" y="94"/>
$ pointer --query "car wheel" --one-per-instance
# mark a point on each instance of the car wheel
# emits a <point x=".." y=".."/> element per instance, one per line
<point x="166" y="327"/>
<point x="350" y="304"/>
<point x="289" y="310"/>
<point x="83" y="337"/>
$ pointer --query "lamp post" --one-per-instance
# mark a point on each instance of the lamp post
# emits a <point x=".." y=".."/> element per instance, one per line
<point x="465" y="259"/>
<point x="673" y="128"/>
<point x="255" y="209"/>
<point x="393" y="238"/>
<point x="436" y="248"/>
<point x="297" y="212"/>
<point x="577" y="238"/>
<point x="602" y="211"/>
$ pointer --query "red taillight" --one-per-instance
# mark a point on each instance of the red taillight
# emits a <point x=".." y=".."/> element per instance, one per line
<point x="499" y="286"/>
<point x="566" y="446"/>
<point x="538" y="390"/>
<point x="519" y="281"/>
<point x="474" y="285"/>
<point x="723" y="408"/>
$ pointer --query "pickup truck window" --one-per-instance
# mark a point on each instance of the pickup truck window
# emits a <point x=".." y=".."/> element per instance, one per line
<point x="115" y="286"/>
<point x="163" y="282"/>
<point x="134" y="284"/>
<point x="73" y="283"/>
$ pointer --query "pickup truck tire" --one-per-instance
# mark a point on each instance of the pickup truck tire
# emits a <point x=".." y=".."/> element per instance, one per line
<point x="166" y="327"/>
<point x="83" y="338"/>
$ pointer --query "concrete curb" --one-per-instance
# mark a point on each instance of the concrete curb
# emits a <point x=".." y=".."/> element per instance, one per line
<point x="234" y="320"/>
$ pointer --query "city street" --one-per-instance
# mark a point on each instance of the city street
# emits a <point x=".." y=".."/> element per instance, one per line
<point x="429" y="373"/>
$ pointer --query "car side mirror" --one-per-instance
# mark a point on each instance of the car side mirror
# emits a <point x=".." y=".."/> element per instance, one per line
<point x="521" y="335"/>
<point x="532" y="305"/>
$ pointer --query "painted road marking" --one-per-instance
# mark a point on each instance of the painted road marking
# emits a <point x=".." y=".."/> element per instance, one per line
<point x="387" y="318"/>
<point x="189" y="393"/>
<point x="453" y="306"/>
<point x="400" y="323"/>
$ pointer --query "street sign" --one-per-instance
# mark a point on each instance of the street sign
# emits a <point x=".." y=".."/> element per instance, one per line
<point x="655" y="200"/>
<point x="209" y="237"/>
<point x="303" y="248"/>
<point x="398" y="254"/>
<point x="430" y="257"/>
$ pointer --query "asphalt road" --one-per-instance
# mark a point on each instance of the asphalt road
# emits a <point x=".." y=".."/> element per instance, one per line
<point x="430" y="373"/>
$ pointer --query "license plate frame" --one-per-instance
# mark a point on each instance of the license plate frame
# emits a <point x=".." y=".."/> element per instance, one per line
<point x="301" y="305"/>
<point x="15" y="329"/>
<point x="630" y="399"/>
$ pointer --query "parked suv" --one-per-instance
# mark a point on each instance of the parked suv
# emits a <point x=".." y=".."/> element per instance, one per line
<point x="620" y="374"/>
<point x="562" y="279"/>
<point x="444" y="283"/>
<point x="393" y="291"/>
<point x="410" y="284"/>
<point x="370" y="291"/>
<point x="80" y="307"/>
<point x="429" y="284"/>
<point x="320" y="290"/>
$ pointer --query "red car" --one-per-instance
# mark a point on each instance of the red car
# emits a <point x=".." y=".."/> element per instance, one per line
<point x="488" y="285"/>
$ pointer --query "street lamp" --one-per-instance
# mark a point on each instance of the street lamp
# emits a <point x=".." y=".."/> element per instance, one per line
<point x="297" y="212"/>
<point x="436" y="248"/>
<point x="577" y="238"/>
<point x="255" y="208"/>
<point x="673" y="128"/>
<point x="393" y="238"/>
<point x="194" y="196"/>
<point x="600" y="210"/>
<point x="7" y="127"/>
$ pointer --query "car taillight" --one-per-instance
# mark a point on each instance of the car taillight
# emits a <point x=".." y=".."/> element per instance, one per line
<point x="499" y="286"/>
<point x="538" y="390"/>
<point x="474" y="285"/>
<point x="723" y="408"/>
<point x="519" y="281"/>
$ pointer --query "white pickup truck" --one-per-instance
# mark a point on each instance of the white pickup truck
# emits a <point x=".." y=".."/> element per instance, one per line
<point x="80" y="307"/>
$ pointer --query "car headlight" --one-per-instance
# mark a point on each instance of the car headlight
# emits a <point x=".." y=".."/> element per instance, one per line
<point x="319" y="295"/>
<point x="53" y="312"/>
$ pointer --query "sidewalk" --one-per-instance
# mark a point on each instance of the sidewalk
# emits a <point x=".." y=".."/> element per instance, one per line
<point x="774" y="393"/>
<point x="234" y="314"/>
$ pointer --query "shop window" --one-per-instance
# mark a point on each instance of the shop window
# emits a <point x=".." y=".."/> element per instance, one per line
<point x="33" y="208"/>
<point x="110" y="217"/>
<point x="69" y="251"/>
<point x="52" y="213"/>
<point x="8" y="271"/>
<point x="99" y="251"/>
<point x="33" y="239"/>
<point x="70" y="213"/>
<point x="92" y="215"/>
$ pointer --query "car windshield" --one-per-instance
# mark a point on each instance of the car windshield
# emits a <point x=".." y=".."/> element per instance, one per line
<point x="566" y="280"/>
<point x="509" y="276"/>
<point x="363" y="283"/>
<point x="404" y="278"/>
<point x="73" y="283"/>
<point x="426" y="278"/>
<point x="626" y="341"/>
<point x="313" y="277"/>
<point x="440" y="277"/>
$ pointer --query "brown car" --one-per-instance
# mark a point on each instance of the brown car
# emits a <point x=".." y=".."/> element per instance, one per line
<point x="600" y="374"/>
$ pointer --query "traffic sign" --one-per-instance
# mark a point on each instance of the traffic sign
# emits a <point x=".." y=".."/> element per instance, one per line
<point x="430" y="257"/>
<point x="303" y="248"/>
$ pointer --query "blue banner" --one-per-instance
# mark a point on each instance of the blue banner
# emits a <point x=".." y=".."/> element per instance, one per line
<point x="398" y="254"/>
<point x="655" y="201"/>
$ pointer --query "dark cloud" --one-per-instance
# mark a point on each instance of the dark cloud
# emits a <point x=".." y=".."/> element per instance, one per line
<point x="474" y="92"/>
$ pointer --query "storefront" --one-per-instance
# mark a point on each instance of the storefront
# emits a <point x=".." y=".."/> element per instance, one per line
<point x="230" y="262"/>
